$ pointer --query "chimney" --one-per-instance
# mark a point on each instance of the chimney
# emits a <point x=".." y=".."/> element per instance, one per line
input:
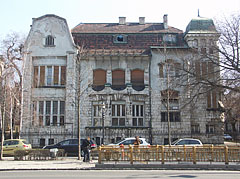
<point x="141" y="20"/>
<point x="165" y="21"/>
<point x="122" y="20"/>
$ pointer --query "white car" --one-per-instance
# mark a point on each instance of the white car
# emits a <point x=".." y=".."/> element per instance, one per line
<point x="188" y="141"/>
<point x="130" y="141"/>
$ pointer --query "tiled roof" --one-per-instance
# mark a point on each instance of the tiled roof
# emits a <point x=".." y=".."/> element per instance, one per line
<point x="126" y="28"/>
<point x="201" y="24"/>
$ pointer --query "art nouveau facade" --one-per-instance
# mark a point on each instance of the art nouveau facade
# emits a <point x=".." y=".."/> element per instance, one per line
<point x="121" y="73"/>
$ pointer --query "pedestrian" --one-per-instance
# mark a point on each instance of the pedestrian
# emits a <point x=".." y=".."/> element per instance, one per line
<point x="137" y="141"/>
<point x="86" y="145"/>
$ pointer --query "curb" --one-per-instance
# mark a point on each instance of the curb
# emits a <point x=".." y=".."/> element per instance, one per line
<point x="166" y="167"/>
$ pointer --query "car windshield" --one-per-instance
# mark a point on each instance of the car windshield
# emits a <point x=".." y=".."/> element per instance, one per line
<point x="119" y="141"/>
<point x="174" y="142"/>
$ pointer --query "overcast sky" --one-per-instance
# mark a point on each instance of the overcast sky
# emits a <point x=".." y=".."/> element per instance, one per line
<point x="16" y="15"/>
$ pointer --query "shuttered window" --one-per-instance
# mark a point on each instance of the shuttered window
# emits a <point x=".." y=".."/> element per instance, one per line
<point x="99" y="79"/>
<point x="63" y="75"/>
<point x="42" y="75"/>
<point x="35" y="79"/>
<point x="212" y="99"/>
<point x="137" y="79"/>
<point x="118" y="80"/>
<point x="56" y="75"/>
<point x="49" y="76"/>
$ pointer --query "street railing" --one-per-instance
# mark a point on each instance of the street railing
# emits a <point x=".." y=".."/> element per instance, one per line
<point x="162" y="154"/>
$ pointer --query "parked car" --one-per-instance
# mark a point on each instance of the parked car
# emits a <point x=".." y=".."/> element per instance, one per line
<point x="11" y="145"/>
<point x="130" y="141"/>
<point x="227" y="137"/>
<point x="70" y="146"/>
<point x="188" y="142"/>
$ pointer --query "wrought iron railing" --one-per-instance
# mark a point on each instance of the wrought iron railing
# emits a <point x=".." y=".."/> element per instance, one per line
<point x="162" y="154"/>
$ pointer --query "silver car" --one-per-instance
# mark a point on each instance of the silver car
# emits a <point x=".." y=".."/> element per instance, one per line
<point x="188" y="141"/>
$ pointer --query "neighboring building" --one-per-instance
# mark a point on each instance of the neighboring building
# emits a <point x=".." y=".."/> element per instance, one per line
<point x="125" y="71"/>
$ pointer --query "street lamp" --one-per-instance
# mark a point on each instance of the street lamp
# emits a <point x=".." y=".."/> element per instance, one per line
<point x="103" y="117"/>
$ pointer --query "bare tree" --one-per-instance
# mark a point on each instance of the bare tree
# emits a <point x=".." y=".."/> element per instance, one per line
<point x="11" y="50"/>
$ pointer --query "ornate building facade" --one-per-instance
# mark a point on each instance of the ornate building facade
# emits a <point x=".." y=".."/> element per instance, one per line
<point x="120" y="79"/>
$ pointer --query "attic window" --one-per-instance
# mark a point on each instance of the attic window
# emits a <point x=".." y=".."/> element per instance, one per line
<point x="169" y="38"/>
<point x="49" y="41"/>
<point x="120" y="39"/>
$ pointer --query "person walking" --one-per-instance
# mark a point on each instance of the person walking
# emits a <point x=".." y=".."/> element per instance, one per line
<point x="86" y="145"/>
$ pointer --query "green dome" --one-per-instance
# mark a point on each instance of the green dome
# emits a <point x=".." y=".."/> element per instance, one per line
<point x="201" y="25"/>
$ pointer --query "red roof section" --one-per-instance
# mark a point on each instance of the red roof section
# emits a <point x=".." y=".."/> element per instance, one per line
<point x="125" y="28"/>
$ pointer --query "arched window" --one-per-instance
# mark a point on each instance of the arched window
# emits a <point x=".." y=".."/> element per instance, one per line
<point x="137" y="79"/>
<point x="118" y="80"/>
<point x="99" y="79"/>
<point x="49" y="41"/>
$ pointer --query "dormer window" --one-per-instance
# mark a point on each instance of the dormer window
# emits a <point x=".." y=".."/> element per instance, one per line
<point x="49" y="41"/>
<point x="120" y="39"/>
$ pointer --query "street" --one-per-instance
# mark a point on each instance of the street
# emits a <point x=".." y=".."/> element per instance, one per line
<point x="109" y="174"/>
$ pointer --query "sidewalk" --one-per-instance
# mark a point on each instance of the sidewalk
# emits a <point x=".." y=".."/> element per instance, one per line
<point x="66" y="163"/>
<point x="72" y="163"/>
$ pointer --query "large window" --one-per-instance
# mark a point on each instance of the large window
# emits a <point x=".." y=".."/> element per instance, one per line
<point x="137" y="79"/>
<point x="49" y="76"/>
<point x="118" y="80"/>
<point x="99" y="79"/>
<point x="137" y="114"/>
<point x="97" y="114"/>
<point x="49" y="113"/>
<point x="174" y="112"/>
<point x="118" y="114"/>
<point x="170" y="68"/>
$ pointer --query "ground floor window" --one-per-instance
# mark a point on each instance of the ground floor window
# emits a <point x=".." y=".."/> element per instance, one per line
<point x="210" y="129"/>
<point x="118" y="114"/>
<point x="137" y="114"/>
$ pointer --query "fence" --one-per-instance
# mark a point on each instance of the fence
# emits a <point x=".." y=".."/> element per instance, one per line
<point x="164" y="154"/>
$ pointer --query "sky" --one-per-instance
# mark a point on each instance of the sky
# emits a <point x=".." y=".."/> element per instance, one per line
<point x="16" y="15"/>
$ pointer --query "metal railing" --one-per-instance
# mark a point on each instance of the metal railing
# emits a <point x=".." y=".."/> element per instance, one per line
<point x="162" y="154"/>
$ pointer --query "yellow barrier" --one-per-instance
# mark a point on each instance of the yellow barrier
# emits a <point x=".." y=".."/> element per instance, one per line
<point x="157" y="153"/>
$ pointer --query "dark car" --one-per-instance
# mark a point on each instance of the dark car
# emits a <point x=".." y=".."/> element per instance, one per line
<point x="70" y="146"/>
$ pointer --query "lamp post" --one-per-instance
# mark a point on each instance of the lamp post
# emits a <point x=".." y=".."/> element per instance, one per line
<point x="103" y="117"/>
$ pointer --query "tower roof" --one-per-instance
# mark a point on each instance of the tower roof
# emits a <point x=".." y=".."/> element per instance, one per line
<point x="201" y="25"/>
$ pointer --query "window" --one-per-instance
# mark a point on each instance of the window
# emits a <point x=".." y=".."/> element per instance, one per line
<point x="49" y="76"/>
<point x="50" y="141"/>
<point x="195" y="129"/>
<point x="118" y="80"/>
<point x="118" y="114"/>
<point x="210" y="129"/>
<point x="137" y="114"/>
<point x="204" y="69"/>
<point x="50" y="113"/>
<point x="42" y="142"/>
<point x="169" y="38"/>
<point x="174" y="117"/>
<point x="99" y="79"/>
<point x="170" y="68"/>
<point x="137" y="80"/>
<point x="173" y="99"/>
<point x="49" y="41"/>
<point x="119" y="39"/>
<point x="97" y="114"/>
<point x="212" y="99"/>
